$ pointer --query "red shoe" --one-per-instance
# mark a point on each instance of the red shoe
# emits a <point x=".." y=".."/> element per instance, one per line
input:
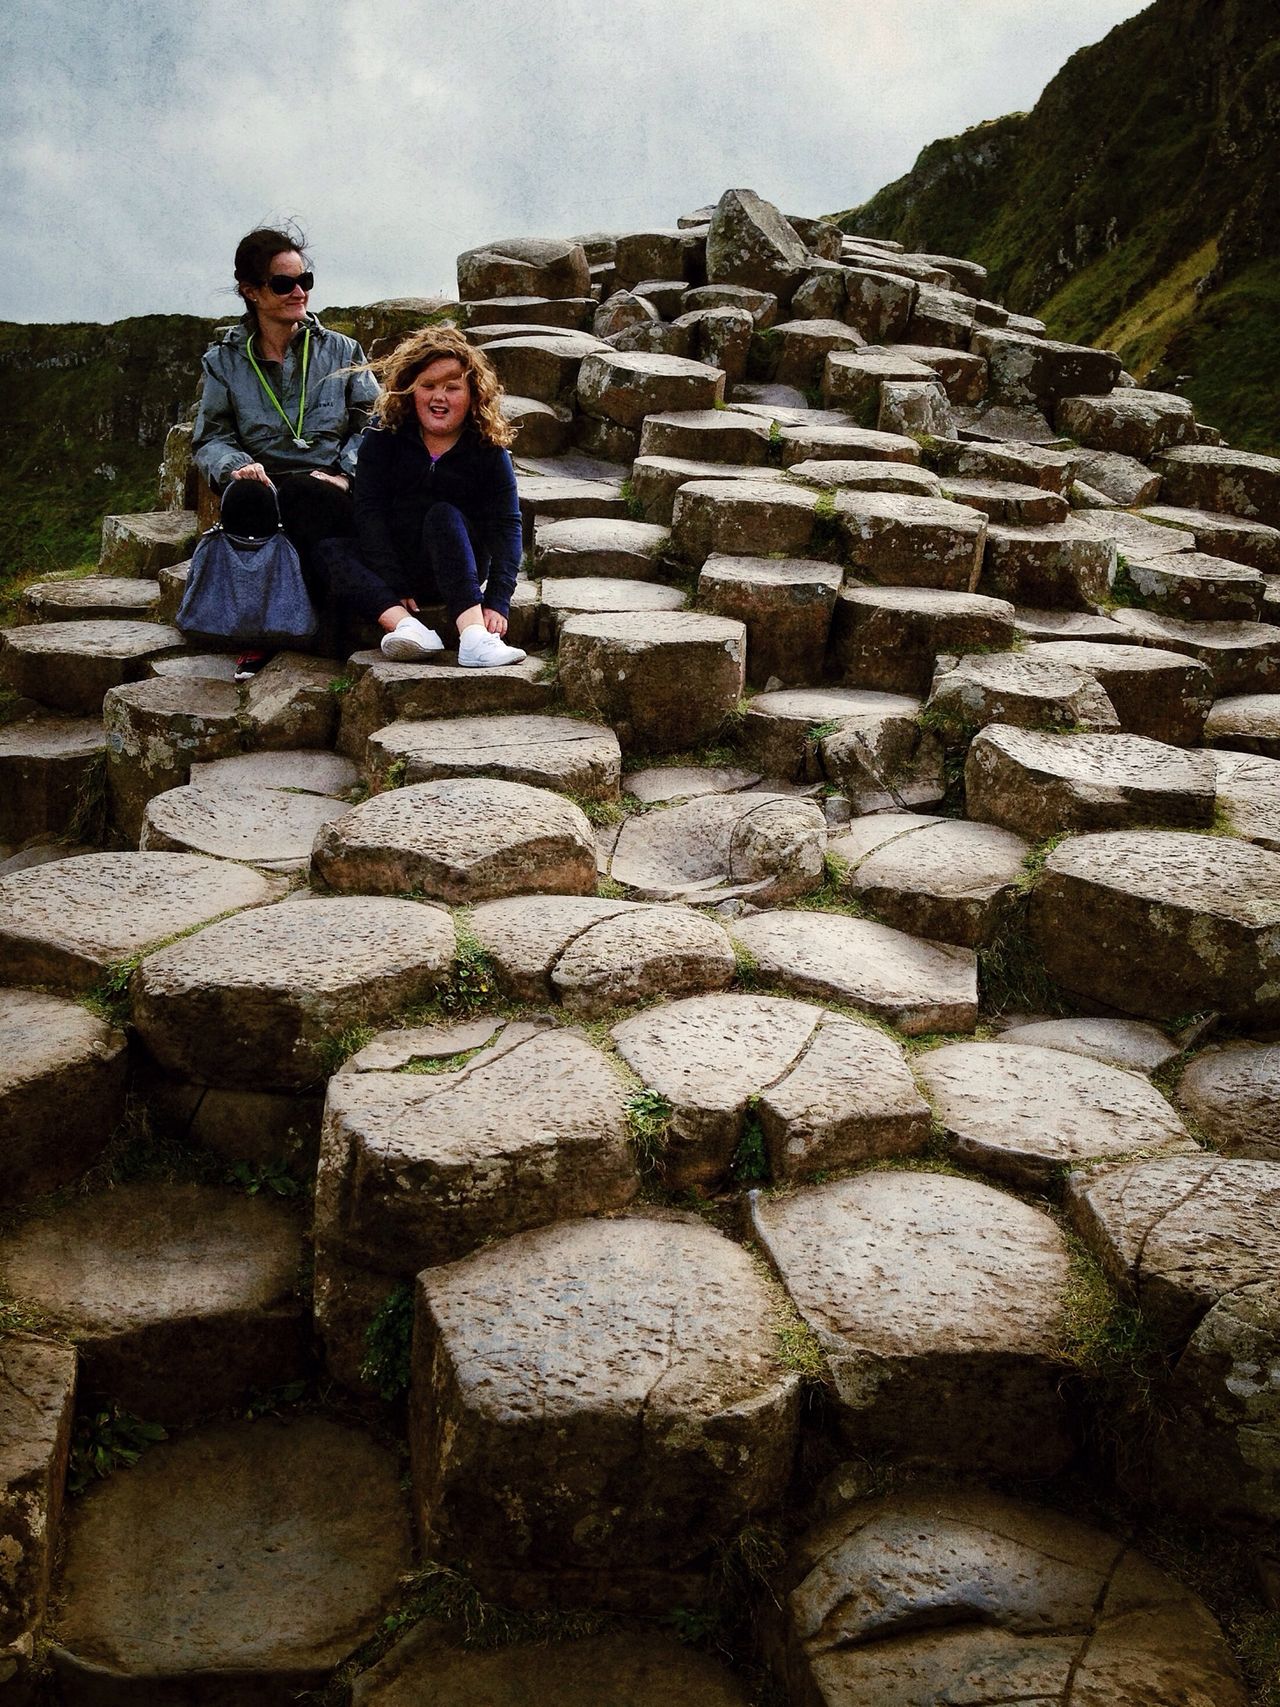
<point x="248" y="664"/>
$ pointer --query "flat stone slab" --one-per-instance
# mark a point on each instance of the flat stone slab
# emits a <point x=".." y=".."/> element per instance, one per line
<point x="419" y="1168"/>
<point x="1242" y="657"/>
<point x="825" y="1090"/>
<point x="1163" y="923"/>
<point x="1163" y="695"/>
<point x="388" y="693"/>
<point x="768" y="847"/>
<point x="1043" y="784"/>
<point x="1233" y="1094"/>
<point x="180" y="1298"/>
<point x="68" y="923"/>
<point x="938" y="1303"/>
<point x="545" y="752"/>
<point x="459" y="840"/>
<point x="37" y="1391"/>
<point x="1249" y="796"/>
<point x="707" y="435"/>
<point x="62" y="1090"/>
<point x="1023" y="1113"/>
<point x="146" y="542"/>
<point x="1008" y="501"/>
<point x="273" y="828"/>
<point x="69" y="666"/>
<point x="1049" y="625"/>
<point x="254" y="1001"/>
<point x="155" y="730"/>
<point x="1128" y="1043"/>
<point x="1248" y="723"/>
<point x="786" y="605"/>
<point x="303" y="772"/>
<point x="783" y="728"/>
<point x="587" y="595"/>
<point x="657" y="480"/>
<point x="643" y="1668"/>
<point x="1236" y="537"/>
<point x="658" y="784"/>
<point x="610" y="548"/>
<point x="616" y="1382"/>
<point x="304" y="1572"/>
<point x="1023" y="690"/>
<point x="902" y="541"/>
<point x="949" y="880"/>
<point x="829" y="437"/>
<point x="663" y="680"/>
<point x="899" y="1598"/>
<point x="1196" y="1242"/>
<point x="1194" y="587"/>
<point x="890" y="638"/>
<point x="91" y="598"/>
<point x="1065" y="565"/>
<point x="597" y="955"/>
<point x="47" y="776"/>
<point x="867" y="476"/>
<point x="914" y="985"/>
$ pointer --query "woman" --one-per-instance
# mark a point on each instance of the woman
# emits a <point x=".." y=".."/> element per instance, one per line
<point x="284" y="404"/>
<point x="437" y="516"/>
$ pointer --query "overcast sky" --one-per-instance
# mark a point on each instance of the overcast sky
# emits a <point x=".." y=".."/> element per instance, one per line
<point x="140" y="140"/>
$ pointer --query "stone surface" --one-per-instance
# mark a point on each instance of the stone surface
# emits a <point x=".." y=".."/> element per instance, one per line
<point x="1063" y="566"/>
<point x="1195" y="1242"/>
<point x="768" y="847"/>
<point x="1163" y="923"/>
<point x="1242" y="657"/>
<point x="599" y="547"/>
<point x="1194" y="587"/>
<point x="938" y="1303"/>
<point x="384" y="693"/>
<point x="898" y="540"/>
<point x="1219" y="478"/>
<point x="663" y="680"/>
<point x="916" y="986"/>
<point x="545" y="752"/>
<point x="145" y="543"/>
<point x="1248" y="723"/>
<point x="1248" y="797"/>
<point x="1161" y="695"/>
<point x="302" y="772"/>
<point x="1120" y="479"/>
<point x="868" y="476"/>
<point x="1007" y="501"/>
<point x="890" y="637"/>
<point x="593" y="955"/>
<point x="951" y="881"/>
<point x="642" y="1668"/>
<point x="1021" y="690"/>
<point x="785" y="605"/>
<point x="1022" y="1114"/>
<point x="1128" y="1043"/>
<point x="589" y="595"/>
<point x="460" y="840"/>
<point x="253" y="1002"/>
<point x="658" y="784"/>
<point x="1232" y="1092"/>
<point x="37" y="1387"/>
<point x="750" y="243"/>
<point x="1041" y="784"/>
<point x="625" y="386"/>
<point x="707" y="435"/>
<point x="155" y="730"/>
<point x="835" y="440"/>
<point x="1039" y="371"/>
<point x="268" y="827"/>
<point x="62" y="1090"/>
<point x="304" y="1572"/>
<point x="748" y="517"/>
<point x="67" y="924"/>
<point x="1134" y="422"/>
<point x="616" y="1384"/>
<point x="291" y="702"/>
<point x="69" y="666"/>
<point x="524" y="267"/>
<point x="49" y="768"/>
<point x="180" y="1298"/>
<point x="1236" y="537"/>
<point x="92" y="598"/>
<point x="931" y="1593"/>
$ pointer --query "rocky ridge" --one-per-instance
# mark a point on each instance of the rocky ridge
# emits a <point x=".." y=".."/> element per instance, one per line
<point x="744" y="1121"/>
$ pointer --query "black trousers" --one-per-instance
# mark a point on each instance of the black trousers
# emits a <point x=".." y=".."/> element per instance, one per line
<point x="449" y="570"/>
<point x="311" y="510"/>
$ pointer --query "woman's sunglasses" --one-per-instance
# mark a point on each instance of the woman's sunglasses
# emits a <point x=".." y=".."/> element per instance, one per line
<point x="283" y="283"/>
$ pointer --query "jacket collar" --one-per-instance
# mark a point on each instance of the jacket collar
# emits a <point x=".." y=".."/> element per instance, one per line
<point x="237" y="336"/>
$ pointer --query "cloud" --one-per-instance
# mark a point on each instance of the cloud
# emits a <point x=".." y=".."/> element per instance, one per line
<point x="143" y="139"/>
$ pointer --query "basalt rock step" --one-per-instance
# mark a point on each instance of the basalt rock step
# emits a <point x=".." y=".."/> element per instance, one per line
<point x="419" y="1169"/>
<point x="618" y="1384"/>
<point x="938" y="1303"/>
<point x="936" y="878"/>
<point x="180" y="1299"/>
<point x="889" y="638"/>
<point x="1159" y="694"/>
<point x="69" y="666"/>
<point x="786" y="732"/>
<point x="591" y="595"/>
<point x="388" y="693"/>
<point x="272" y="828"/>
<point x="892" y="1600"/>
<point x="1233" y="1094"/>
<point x="1193" y="1239"/>
<point x="664" y="680"/>
<point x="304" y="1573"/>
<point x="749" y="844"/>
<point x="459" y="840"/>
<point x="546" y="752"/>
<point x="785" y="604"/>
<point x="92" y="598"/>
<point x="49" y="771"/>
<point x="608" y="547"/>
<point x="1021" y="690"/>
<point x="1129" y="1043"/>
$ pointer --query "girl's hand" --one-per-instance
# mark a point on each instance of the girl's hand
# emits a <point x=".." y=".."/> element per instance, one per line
<point x="252" y="471"/>
<point x="338" y="480"/>
<point x="411" y="605"/>
<point x="494" y="623"/>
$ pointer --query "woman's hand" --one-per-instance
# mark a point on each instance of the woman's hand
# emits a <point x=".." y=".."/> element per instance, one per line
<point x="252" y="471"/>
<point x="494" y="623"/>
<point x="411" y="605"/>
<point x="338" y="480"/>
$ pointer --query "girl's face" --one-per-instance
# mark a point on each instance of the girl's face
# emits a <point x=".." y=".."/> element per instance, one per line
<point x="442" y="397"/>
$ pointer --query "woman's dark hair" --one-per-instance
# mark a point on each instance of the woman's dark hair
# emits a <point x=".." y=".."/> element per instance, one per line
<point x="256" y="250"/>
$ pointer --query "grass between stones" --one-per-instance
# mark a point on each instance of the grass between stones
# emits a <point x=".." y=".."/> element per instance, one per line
<point x="649" y="1125"/>
<point x="388" y="1340"/>
<point x="107" y="1439"/>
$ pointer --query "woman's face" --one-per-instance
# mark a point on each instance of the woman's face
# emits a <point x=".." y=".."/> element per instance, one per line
<point x="282" y="311"/>
<point x="442" y="397"/>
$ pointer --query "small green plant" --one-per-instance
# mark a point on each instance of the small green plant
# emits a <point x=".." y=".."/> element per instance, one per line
<point x="474" y="981"/>
<point x="820" y="731"/>
<point x="750" y="1162"/>
<point x="342" y="684"/>
<point x="270" y="1179"/>
<point x="649" y="1120"/>
<point x="387" y="1343"/>
<point x="609" y="889"/>
<point x="335" y="1052"/>
<point x="270" y="1401"/>
<point x="747" y="966"/>
<point x="631" y="500"/>
<point x="695" y="1626"/>
<point x="105" y="1440"/>
<point x="599" y="811"/>
<point x="393" y="776"/>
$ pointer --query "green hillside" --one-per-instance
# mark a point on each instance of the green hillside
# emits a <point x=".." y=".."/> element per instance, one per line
<point x="1137" y="206"/>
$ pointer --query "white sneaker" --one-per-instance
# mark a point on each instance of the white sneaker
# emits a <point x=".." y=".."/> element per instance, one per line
<point x="480" y="650"/>
<point x="410" y="640"/>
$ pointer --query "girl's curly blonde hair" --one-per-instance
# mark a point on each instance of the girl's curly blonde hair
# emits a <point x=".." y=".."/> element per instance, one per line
<point x="397" y="372"/>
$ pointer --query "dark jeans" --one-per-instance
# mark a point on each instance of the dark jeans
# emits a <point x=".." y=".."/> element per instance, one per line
<point x="447" y="570"/>
<point x="311" y="510"/>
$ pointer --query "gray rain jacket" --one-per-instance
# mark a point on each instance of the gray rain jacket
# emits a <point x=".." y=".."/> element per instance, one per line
<point x="237" y="424"/>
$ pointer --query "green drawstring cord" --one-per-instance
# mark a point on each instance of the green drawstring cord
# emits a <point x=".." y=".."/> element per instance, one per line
<point x="275" y="401"/>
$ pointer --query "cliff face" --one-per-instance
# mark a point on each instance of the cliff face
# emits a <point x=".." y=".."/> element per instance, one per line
<point x="1137" y="205"/>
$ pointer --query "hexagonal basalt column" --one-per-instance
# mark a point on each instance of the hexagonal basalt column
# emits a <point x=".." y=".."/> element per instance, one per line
<point x="595" y="1406"/>
<point x="664" y="679"/>
<point x="62" y="1086"/>
<point x="545" y="752"/>
<point x="69" y="666"/>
